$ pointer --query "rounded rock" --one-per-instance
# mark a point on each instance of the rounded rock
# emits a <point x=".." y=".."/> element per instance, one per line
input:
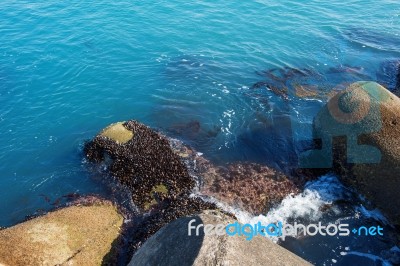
<point x="76" y="235"/>
<point x="172" y="245"/>
<point x="367" y="117"/>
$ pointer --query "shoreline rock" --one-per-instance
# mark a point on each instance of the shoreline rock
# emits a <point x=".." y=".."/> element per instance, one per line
<point x="162" y="174"/>
<point x="362" y="125"/>
<point x="158" y="180"/>
<point x="172" y="245"/>
<point x="142" y="160"/>
<point x="82" y="234"/>
<point x="252" y="187"/>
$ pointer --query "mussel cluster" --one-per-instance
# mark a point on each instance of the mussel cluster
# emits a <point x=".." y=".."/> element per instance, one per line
<point x="145" y="164"/>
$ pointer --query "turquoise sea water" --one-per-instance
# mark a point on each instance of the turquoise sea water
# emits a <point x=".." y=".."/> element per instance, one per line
<point x="68" y="69"/>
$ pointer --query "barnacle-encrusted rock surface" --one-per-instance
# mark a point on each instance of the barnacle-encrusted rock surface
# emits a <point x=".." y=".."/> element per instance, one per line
<point x="82" y="234"/>
<point x="252" y="187"/>
<point x="144" y="163"/>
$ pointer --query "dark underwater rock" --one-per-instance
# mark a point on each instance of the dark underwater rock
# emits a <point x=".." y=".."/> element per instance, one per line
<point x="303" y="83"/>
<point x="389" y="75"/>
<point x="187" y="66"/>
<point x="193" y="131"/>
<point x="269" y="142"/>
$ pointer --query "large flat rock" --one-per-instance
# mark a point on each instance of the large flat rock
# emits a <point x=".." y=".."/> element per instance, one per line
<point x="172" y="245"/>
<point x="76" y="235"/>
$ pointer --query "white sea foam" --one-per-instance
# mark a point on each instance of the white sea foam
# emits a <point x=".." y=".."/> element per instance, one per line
<point x="307" y="204"/>
<point x="324" y="191"/>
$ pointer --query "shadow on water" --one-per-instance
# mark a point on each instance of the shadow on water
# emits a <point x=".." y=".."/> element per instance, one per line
<point x="388" y="75"/>
<point x="267" y="140"/>
<point x="358" y="248"/>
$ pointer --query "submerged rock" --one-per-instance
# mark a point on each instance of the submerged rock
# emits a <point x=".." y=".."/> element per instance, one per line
<point x="367" y="118"/>
<point x="252" y="187"/>
<point x="185" y="66"/>
<point x="389" y="75"/>
<point x="290" y="83"/>
<point x="76" y="235"/>
<point x="173" y="246"/>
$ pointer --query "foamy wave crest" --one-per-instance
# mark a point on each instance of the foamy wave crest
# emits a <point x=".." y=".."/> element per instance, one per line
<point x="307" y="204"/>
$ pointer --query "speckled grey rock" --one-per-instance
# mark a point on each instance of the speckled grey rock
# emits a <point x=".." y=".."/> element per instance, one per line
<point x="171" y="245"/>
<point x="367" y="115"/>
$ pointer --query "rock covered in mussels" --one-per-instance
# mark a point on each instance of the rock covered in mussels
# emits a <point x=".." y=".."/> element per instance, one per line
<point x="153" y="171"/>
<point x="143" y="160"/>
<point x="161" y="172"/>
